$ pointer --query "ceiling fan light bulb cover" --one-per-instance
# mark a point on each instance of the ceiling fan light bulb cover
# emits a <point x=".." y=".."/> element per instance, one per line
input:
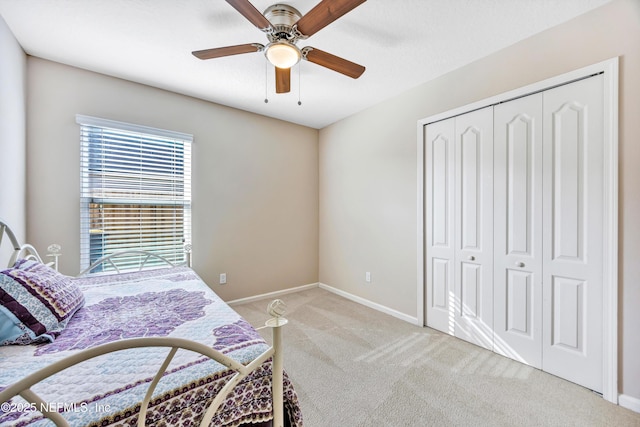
<point x="283" y="54"/>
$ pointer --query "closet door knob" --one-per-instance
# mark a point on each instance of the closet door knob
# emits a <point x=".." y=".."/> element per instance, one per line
<point x="519" y="264"/>
<point x="472" y="258"/>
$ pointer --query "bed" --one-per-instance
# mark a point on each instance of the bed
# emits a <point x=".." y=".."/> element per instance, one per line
<point x="154" y="342"/>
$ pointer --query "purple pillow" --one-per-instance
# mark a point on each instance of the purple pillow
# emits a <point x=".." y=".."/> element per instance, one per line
<point x="37" y="300"/>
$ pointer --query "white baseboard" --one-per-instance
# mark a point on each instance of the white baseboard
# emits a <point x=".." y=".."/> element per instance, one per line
<point x="629" y="402"/>
<point x="371" y="304"/>
<point x="367" y="303"/>
<point x="272" y="294"/>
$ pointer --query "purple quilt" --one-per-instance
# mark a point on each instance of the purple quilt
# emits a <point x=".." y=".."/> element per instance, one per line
<point x="106" y="391"/>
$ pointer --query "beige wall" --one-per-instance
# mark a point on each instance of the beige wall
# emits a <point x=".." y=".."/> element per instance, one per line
<point x="13" y="89"/>
<point x="255" y="179"/>
<point x="368" y="172"/>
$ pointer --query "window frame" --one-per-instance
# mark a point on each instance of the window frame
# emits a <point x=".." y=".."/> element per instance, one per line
<point x="181" y="198"/>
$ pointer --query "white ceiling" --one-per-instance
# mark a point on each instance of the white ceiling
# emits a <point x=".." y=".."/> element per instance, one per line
<point x="402" y="43"/>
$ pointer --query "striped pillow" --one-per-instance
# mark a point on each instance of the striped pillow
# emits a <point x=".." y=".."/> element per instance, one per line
<point x="36" y="303"/>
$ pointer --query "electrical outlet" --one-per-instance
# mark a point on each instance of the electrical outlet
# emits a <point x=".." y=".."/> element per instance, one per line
<point x="223" y="278"/>
<point x="367" y="277"/>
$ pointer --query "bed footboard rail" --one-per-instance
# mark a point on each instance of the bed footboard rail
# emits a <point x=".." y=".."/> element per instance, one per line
<point x="23" y="387"/>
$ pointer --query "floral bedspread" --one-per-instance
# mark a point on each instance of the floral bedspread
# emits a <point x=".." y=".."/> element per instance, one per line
<point x="107" y="390"/>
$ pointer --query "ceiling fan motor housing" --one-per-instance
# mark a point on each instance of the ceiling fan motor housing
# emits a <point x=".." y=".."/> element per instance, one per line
<point x="283" y="18"/>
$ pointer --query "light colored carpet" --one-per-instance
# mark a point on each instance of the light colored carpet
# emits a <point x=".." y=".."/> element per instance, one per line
<point x="354" y="366"/>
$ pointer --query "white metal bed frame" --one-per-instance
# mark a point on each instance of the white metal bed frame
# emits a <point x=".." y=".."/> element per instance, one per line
<point x="275" y="309"/>
<point x="110" y="259"/>
<point x="25" y="250"/>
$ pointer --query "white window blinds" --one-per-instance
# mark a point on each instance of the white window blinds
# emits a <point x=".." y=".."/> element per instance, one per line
<point x="135" y="191"/>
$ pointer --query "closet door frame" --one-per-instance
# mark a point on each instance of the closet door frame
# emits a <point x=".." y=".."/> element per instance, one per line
<point x="609" y="69"/>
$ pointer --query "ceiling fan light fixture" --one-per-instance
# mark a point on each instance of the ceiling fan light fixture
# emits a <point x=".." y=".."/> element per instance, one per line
<point x="283" y="54"/>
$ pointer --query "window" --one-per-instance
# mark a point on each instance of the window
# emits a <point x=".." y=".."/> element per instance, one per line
<point x="135" y="191"/>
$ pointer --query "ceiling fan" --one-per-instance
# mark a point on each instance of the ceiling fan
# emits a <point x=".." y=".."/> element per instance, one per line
<point x="284" y="26"/>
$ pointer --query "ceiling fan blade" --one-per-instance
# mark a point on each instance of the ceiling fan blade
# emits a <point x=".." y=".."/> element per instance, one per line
<point x="283" y="80"/>
<point x="252" y="14"/>
<point x="219" y="52"/>
<point x="324" y="13"/>
<point x="332" y="62"/>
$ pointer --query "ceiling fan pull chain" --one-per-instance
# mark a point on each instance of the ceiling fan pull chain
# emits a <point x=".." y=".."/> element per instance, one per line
<point x="299" y="83"/>
<point x="266" y="99"/>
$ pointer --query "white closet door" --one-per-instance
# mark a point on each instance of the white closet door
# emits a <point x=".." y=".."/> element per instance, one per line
<point x="518" y="229"/>
<point x="474" y="227"/>
<point x="573" y="231"/>
<point x="439" y="176"/>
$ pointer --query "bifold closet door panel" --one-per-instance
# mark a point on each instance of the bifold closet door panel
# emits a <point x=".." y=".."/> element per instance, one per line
<point x="473" y="218"/>
<point x="517" y="229"/>
<point x="439" y="228"/>
<point x="573" y="231"/>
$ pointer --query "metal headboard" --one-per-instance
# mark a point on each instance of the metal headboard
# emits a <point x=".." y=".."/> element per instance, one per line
<point x="19" y="251"/>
